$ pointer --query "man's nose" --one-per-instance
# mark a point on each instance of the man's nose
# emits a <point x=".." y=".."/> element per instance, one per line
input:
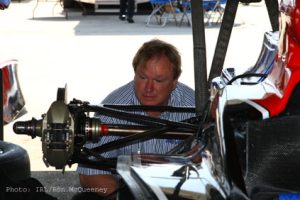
<point x="149" y="85"/>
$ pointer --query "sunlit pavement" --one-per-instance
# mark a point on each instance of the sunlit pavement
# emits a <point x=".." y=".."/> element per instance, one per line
<point x="92" y="54"/>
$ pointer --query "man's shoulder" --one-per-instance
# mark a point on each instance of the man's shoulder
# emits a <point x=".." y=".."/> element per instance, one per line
<point x="181" y="87"/>
<point x="183" y="95"/>
<point x="121" y="95"/>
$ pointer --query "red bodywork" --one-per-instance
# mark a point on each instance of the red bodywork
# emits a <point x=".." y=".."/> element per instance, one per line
<point x="288" y="60"/>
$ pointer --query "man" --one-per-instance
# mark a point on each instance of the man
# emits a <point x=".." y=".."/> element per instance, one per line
<point x="157" y="67"/>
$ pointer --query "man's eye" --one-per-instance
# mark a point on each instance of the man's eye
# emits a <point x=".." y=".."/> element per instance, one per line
<point x="142" y="77"/>
<point x="159" y="81"/>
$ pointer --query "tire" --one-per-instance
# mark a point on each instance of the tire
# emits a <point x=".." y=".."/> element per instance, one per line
<point x="14" y="162"/>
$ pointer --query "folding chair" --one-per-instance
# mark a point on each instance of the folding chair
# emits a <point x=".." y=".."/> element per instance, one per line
<point x="186" y="10"/>
<point x="163" y="11"/>
<point x="214" y="10"/>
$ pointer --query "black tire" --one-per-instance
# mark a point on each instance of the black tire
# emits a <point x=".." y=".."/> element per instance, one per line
<point x="14" y="162"/>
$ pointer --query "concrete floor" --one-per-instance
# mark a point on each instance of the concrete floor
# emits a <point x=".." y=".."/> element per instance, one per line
<point x="57" y="184"/>
<point x="92" y="55"/>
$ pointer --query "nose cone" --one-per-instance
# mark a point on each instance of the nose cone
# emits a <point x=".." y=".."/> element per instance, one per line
<point x="13" y="100"/>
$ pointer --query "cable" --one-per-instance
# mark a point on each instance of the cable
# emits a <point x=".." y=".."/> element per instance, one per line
<point x="247" y="75"/>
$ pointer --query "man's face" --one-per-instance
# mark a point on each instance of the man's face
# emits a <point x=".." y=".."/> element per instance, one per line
<point x="154" y="82"/>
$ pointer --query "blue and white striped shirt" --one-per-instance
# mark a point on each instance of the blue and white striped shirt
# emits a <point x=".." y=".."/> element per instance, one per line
<point x="181" y="96"/>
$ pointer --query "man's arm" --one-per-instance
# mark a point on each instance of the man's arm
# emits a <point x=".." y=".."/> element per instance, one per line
<point x="102" y="184"/>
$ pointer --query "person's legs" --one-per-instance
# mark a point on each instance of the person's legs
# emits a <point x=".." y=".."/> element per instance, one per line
<point x="123" y="4"/>
<point x="130" y="11"/>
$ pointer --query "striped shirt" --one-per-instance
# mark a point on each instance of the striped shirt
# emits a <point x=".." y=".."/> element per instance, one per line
<point x="181" y="96"/>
